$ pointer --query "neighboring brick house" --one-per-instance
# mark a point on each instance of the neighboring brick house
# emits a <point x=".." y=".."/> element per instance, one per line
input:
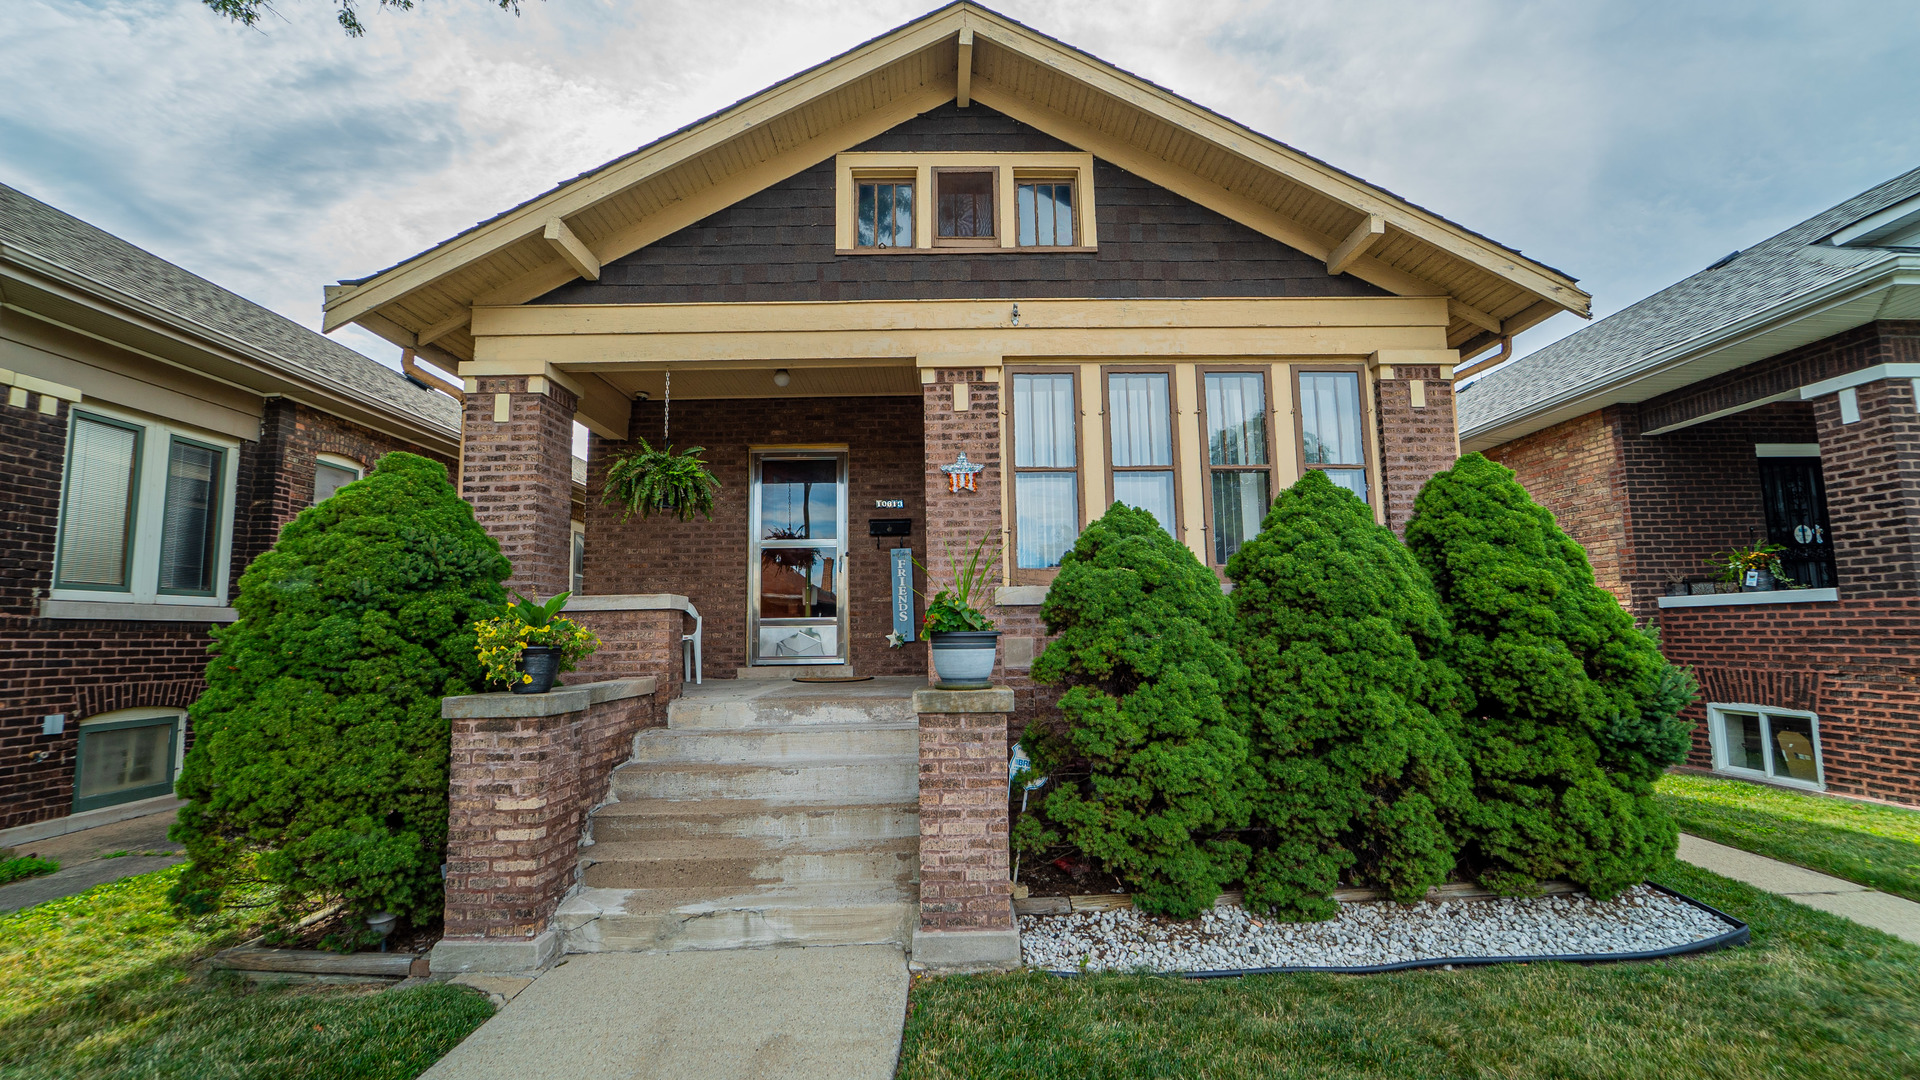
<point x="962" y="239"/>
<point x="1768" y="398"/>
<point x="157" y="433"/>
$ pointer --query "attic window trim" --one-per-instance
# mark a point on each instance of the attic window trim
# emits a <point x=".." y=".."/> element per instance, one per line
<point x="1010" y="169"/>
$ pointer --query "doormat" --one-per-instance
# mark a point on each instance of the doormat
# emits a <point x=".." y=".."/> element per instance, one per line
<point x="833" y="678"/>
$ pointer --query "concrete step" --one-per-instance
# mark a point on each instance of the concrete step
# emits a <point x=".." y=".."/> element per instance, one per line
<point x="667" y="820"/>
<point x="714" y="712"/>
<point x="725" y="865"/>
<point x="776" y="744"/>
<point x="804" y="780"/>
<point x="673" y="920"/>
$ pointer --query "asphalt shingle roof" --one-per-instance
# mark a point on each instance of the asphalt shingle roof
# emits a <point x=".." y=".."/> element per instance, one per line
<point x="65" y="241"/>
<point x="1764" y="276"/>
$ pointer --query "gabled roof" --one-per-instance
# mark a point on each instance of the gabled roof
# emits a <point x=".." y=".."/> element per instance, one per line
<point x="1809" y="282"/>
<point x="425" y="301"/>
<point x="50" y="241"/>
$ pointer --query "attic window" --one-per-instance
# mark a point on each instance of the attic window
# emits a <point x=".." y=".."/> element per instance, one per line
<point x="979" y="202"/>
<point x="886" y="214"/>
<point x="966" y="207"/>
<point x="1045" y="212"/>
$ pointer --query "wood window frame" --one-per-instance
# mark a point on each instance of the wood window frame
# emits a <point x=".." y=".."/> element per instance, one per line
<point x="1369" y="453"/>
<point x="1018" y="575"/>
<point x="1107" y="371"/>
<point x="910" y="177"/>
<point x="994" y="213"/>
<point x="1272" y="467"/>
<point x="1069" y="177"/>
<point x="853" y="167"/>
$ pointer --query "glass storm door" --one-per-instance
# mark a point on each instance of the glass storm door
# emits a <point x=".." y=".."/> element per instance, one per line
<point x="797" y="572"/>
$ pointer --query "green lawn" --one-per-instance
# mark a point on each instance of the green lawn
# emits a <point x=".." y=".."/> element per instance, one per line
<point x="101" y="985"/>
<point x="1814" y="996"/>
<point x="1873" y="845"/>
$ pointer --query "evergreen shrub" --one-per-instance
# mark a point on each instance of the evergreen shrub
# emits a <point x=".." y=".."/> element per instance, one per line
<point x="1148" y="768"/>
<point x="1577" y="710"/>
<point x="320" y="758"/>
<point x="1352" y="712"/>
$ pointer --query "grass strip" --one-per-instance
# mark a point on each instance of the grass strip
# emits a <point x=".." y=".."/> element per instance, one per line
<point x="1813" y="997"/>
<point x="21" y="867"/>
<point x="103" y="985"/>
<point x="1865" y="843"/>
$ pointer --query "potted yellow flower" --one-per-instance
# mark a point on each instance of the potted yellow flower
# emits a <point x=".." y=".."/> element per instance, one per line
<point x="527" y="648"/>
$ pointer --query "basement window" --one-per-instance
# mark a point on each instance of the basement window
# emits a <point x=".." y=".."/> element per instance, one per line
<point x="1781" y="746"/>
<point x="332" y="472"/>
<point x="127" y="755"/>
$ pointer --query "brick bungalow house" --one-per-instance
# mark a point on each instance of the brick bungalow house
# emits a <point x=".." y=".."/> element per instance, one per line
<point x="1768" y="398"/>
<point x="157" y="432"/>
<point x="960" y="246"/>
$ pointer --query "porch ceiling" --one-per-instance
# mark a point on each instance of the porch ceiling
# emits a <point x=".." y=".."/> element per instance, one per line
<point x="897" y="379"/>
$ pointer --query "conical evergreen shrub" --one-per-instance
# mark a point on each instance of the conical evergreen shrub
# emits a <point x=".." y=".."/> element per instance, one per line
<point x="1352" y="713"/>
<point x="1576" y="712"/>
<point x="1148" y="766"/>
<point x="320" y="757"/>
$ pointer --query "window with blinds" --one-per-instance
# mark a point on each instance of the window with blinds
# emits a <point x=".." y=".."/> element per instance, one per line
<point x="96" y="522"/>
<point x="1239" y="467"/>
<point x="190" y="519"/>
<point x="1140" y="443"/>
<point x="1046" y="476"/>
<point x="1332" y="427"/>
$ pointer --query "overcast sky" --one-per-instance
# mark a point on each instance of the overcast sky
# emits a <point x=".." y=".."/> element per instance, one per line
<point x="1629" y="144"/>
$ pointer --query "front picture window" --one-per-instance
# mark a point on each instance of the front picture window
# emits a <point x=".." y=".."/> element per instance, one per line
<point x="885" y="217"/>
<point x="965" y="205"/>
<point x="1775" y="745"/>
<point x="1332" y="437"/>
<point x="1046" y="480"/>
<point x="1140" y="419"/>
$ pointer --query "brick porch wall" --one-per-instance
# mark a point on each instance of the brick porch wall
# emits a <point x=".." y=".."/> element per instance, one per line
<point x="1415" y="443"/>
<point x="963" y="822"/>
<point x="635" y="644"/>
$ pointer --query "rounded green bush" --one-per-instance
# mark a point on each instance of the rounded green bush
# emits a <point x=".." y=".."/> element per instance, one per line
<point x="1576" y="709"/>
<point x="319" y="754"/>
<point x="1353" y="714"/>
<point x="1148" y="768"/>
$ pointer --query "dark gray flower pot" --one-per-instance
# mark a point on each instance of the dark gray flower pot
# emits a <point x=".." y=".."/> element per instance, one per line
<point x="541" y="662"/>
<point x="963" y="659"/>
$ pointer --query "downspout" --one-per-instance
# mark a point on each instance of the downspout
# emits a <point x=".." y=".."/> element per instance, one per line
<point x="1487" y="363"/>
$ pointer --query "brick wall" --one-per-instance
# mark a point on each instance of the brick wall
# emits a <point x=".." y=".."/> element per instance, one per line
<point x="1872" y="474"/>
<point x="1577" y="469"/>
<point x="518" y="474"/>
<point x="1861" y="347"/>
<point x="1415" y="443"/>
<point x="706" y="561"/>
<point x="521" y="788"/>
<point x="963" y="822"/>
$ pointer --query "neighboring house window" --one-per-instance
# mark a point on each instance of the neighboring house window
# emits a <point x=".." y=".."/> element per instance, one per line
<point x="1045" y="212"/>
<point x="579" y="557"/>
<point x="1046" y="476"/>
<point x="331" y="473"/>
<point x="138" y="529"/>
<point x="1239" y="466"/>
<point x="1140" y="468"/>
<point x="1794" y="497"/>
<point x="1781" y="745"/>
<point x="1332" y="427"/>
<point x="885" y="214"/>
<point x="964" y="207"/>
<point x="127" y="755"/>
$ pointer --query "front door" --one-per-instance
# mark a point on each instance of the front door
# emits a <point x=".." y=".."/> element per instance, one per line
<point x="797" y="561"/>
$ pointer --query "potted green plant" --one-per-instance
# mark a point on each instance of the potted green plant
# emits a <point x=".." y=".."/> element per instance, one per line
<point x="527" y="648"/>
<point x="647" y="480"/>
<point x="1749" y="569"/>
<point x="962" y="638"/>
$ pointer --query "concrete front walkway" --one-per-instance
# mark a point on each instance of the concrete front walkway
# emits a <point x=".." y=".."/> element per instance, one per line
<point x="1892" y="914"/>
<point x="831" y="1013"/>
<point x="82" y="865"/>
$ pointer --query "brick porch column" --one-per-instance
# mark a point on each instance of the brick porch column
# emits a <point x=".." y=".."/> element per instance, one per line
<point x="1871" y="468"/>
<point x="1413" y="408"/>
<point x="962" y="417"/>
<point x="516" y="468"/>
<point x="966" y="901"/>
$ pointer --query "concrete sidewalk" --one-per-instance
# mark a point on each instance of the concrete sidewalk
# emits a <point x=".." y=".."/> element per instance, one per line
<point x="82" y="865"/>
<point x="1892" y="914"/>
<point x="824" y="1013"/>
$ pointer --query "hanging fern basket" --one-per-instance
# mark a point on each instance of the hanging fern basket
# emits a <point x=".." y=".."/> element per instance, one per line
<point x="648" y="481"/>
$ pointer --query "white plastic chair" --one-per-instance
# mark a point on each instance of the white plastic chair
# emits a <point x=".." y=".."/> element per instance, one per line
<point x="690" y="648"/>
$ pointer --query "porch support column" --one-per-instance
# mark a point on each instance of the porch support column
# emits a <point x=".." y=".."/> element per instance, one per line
<point x="1872" y="477"/>
<point x="966" y="901"/>
<point x="516" y="469"/>
<point x="1413" y="413"/>
<point x="962" y="417"/>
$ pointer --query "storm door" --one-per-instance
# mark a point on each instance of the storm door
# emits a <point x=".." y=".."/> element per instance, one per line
<point x="797" y="561"/>
<point x="1796" y="505"/>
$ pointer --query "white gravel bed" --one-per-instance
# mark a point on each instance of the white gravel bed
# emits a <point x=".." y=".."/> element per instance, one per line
<point x="1362" y="935"/>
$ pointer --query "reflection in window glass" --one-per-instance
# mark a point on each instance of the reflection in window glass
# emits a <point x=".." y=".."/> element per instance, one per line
<point x="800" y="500"/>
<point x="1330" y="427"/>
<point x="1046" y="501"/>
<point x="885" y="216"/>
<point x="1783" y="746"/>
<point x="1046" y="517"/>
<point x="1240" y="501"/>
<point x="329" y="478"/>
<point x="1236" y="418"/>
<point x="965" y="204"/>
<point x="189" y="524"/>
<point x="1149" y="491"/>
<point x="96" y="527"/>
<point x="579" y="561"/>
<point x="1793" y="756"/>
<point x="1043" y="421"/>
<point x="1046" y="213"/>
<point x="797" y="583"/>
<point x="1746" y="747"/>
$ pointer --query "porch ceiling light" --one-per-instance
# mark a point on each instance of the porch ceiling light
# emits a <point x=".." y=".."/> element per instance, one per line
<point x="782" y="377"/>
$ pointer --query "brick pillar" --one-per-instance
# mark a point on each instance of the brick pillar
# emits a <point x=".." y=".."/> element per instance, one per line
<point x="1418" y="438"/>
<point x="966" y="901"/>
<point x="516" y="468"/>
<point x="957" y="520"/>
<point x="1871" y="468"/>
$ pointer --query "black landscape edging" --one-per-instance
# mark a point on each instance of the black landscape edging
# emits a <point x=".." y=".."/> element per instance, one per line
<point x="1739" y="935"/>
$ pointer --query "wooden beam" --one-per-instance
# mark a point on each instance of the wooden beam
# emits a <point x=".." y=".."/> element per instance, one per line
<point x="1363" y="236"/>
<point x="1469" y="313"/>
<point x="457" y="321"/>
<point x="963" y="94"/>
<point x="577" y="254"/>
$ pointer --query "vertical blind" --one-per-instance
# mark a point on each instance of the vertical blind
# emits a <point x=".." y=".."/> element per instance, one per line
<point x="1046" y="503"/>
<point x="1141" y="429"/>
<point x="189" y="524"/>
<point x="96" y="533"/>
<point x="1330" y="427"/>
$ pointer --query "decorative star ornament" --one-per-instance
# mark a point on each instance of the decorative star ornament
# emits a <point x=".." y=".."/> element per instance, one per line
<point x="961" y="474"/>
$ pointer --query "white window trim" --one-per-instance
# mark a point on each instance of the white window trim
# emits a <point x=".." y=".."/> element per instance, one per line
<point x="340" y="461"/>
<point x="150" y="510"/>
<point x="1716" y="736"/>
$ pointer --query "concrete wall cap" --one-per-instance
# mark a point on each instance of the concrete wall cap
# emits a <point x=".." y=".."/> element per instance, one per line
<point x="965" y="948"/>
<point x="566" y="699"/>
<point x="629" y="602"/>
<point x="999" y="699"/>
<point x="1020" y="595"/>
<point x="453" y="956"/>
